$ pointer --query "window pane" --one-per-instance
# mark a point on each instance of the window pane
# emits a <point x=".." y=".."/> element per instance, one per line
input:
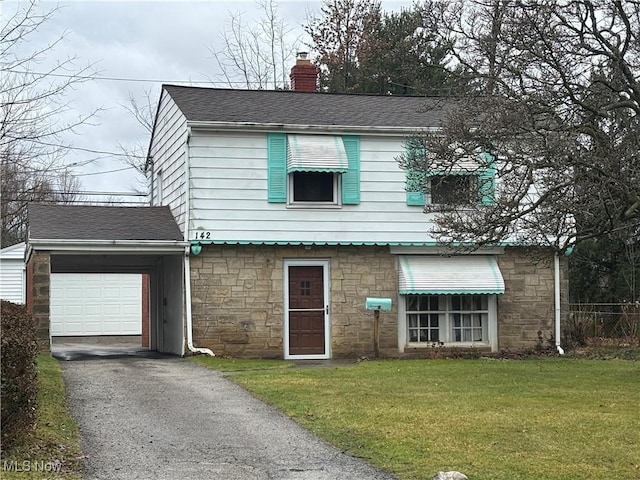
<point x="313" y="187"/>
<point x="477" y="334"/>
<point x="466" y="320"/>
<point x="424" y="336"/>
<point x="456" y="320"/>
<point x="424" y="320"/>
<point x="434" y="320"/>
<point x="452" y="189"/>
<point x="455" y="302"/>
<point x="412" y="303"/>
<point x="413" y="335"/>
<point x="480" y="302"/>
<point x="413" y="320"/>
<point x="484" y="302"/>
<point x="434" y="303"/>
<point x="435" y="335"/>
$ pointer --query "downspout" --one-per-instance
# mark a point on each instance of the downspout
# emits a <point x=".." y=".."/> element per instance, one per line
<point x="187" y="291"/>
<point x="187" y="265"/>
<point x="556" y="262"/>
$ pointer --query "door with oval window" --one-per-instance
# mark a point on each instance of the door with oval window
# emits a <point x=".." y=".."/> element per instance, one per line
<point x="307" y="310"/>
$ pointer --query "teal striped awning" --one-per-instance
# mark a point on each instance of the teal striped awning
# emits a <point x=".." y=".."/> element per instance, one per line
<point x="457" y="275"/>
<point x="316" y="153"/>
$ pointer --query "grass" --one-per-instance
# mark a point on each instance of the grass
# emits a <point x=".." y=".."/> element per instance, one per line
<point x="55" y="439"/>
<point x="238" y="364"/>
<point x="544" y="419"/>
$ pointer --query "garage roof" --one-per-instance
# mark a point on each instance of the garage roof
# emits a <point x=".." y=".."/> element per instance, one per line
<point x="81" y="222"/>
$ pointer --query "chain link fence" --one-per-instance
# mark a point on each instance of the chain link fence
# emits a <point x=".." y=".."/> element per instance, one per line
<point x="602" y="320"/>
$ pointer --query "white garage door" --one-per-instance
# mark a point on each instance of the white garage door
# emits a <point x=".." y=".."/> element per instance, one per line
<point x="96" y="304"/>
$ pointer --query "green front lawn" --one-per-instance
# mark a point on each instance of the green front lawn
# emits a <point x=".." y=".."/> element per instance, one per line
<point x="52" y="450"/>
<point x="239" y="364"/>
<point x="490" y="419"/>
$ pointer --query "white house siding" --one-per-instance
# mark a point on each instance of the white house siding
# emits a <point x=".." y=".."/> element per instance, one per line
<point x="228" y="173"/>
<point x="168" y="151"/>
<point x="12" y="273"/>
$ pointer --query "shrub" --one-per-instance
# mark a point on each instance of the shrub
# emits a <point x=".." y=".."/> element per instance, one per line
<point x="18" y="371"/>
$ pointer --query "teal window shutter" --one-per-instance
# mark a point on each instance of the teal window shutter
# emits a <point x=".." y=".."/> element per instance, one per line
<point x="415" y="181"/>
<point x="416" y="199"/>
<point x="415" y="188"/>
<point x="487" y="182"/>
<point x="277" y="167"/>
<point x="351" y="178"/>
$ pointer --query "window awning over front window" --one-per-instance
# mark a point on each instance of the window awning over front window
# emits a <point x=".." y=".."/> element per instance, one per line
<point x="458" y="275"/>
<point x="316" y="153"/>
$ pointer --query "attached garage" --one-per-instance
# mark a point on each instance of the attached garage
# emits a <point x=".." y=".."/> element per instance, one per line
<point x="82" y="304"/>
<point x="96" y="304"/>
<point x="89" y="266"/>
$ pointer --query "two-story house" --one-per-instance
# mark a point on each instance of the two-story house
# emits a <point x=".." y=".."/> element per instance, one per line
<point x="297" y="211"/>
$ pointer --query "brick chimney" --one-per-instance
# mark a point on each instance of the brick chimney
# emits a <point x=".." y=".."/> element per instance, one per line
<point x="304" y="75"/>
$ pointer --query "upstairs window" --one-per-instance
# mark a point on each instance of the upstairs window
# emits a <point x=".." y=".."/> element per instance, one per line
<point x="313" y="170"/>
<point x="313" y="187"/>
<point x="471" y="181"/>
<point x="452" y="189"/>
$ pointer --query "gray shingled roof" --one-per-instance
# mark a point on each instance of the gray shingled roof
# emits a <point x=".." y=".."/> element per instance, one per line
<point x="300" y="108"/>
<point x="76" y="222"/>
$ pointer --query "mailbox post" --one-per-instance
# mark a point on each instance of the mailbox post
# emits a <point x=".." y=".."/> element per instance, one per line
<point x="377" y="304"/>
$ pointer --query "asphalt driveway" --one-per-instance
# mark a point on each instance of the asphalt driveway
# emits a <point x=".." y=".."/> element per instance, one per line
<point x="167" y="418"/>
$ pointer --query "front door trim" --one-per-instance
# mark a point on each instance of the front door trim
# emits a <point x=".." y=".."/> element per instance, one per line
<point x="304" y="262"/>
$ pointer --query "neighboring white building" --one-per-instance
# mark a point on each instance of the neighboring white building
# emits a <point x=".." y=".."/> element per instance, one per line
<point x="12" y="273"/>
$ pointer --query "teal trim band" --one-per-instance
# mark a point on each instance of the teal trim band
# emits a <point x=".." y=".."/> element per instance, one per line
<point x="316" y="169"/>
<point x="449" y="292"/>
<point x="379" y="244"/>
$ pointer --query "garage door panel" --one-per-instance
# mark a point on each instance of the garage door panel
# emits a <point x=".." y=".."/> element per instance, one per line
<point x="96" y="304"/>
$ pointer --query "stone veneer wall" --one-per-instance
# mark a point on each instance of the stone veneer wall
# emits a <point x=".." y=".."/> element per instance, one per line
<point x="38" y="295"/>
<point x="238" y="305"/>
<point x="526" y="309"/>
<point x="238" y="298"/>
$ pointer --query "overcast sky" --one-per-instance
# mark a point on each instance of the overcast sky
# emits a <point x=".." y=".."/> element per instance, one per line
<point x="134" y="47"/>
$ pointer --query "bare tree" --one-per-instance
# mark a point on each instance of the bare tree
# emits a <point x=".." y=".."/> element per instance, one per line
<point x="258" y="55"/>
<point x="553" y="145"/>
<point x="32" y="107"/>
<point x="143" y="111"/>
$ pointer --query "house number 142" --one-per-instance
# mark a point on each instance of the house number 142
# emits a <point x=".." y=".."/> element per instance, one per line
<point x="203" y="236"/>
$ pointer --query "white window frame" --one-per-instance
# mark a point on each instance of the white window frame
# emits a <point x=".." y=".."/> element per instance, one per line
<point x="337" y="194"/>
<point x="446" y="326"/>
